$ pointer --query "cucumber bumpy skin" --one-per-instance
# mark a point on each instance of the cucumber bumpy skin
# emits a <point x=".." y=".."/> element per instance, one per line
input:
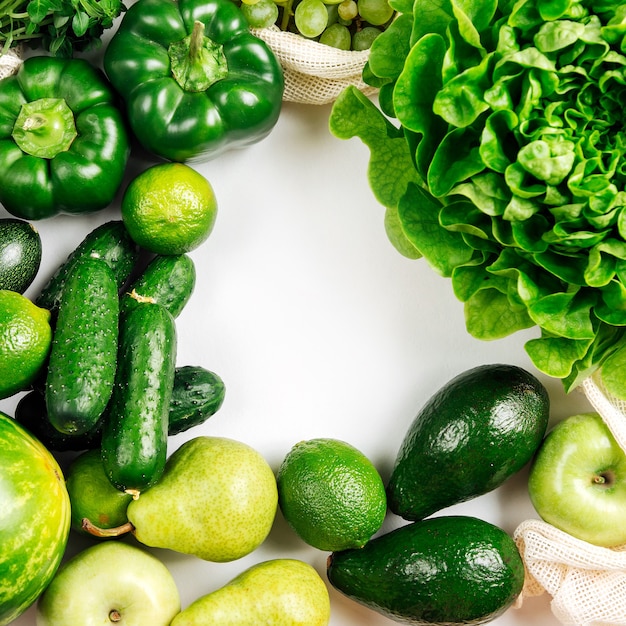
<point x="81" y="368"/>
<point x="112" y="243"/>
<point x="134" y="437"/>
<point x="167" y="280"/>
<point x="198" y="394"/>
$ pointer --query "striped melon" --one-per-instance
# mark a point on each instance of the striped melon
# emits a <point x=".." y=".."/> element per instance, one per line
<point x="34" y="518"/>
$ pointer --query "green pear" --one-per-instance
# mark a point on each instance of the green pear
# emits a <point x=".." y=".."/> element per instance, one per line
<point x="279" y="592"/>
<point x="216" y="500"/>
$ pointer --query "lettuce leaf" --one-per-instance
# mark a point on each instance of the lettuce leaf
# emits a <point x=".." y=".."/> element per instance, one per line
<point x="504" y="125"/>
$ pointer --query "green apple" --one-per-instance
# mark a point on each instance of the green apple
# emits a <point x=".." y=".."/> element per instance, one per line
<point x="111" y="582"/>
<point x="577" y="481"/>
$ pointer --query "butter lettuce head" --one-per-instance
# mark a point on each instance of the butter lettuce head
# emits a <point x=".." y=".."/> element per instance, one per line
<point x="504" y="122"/>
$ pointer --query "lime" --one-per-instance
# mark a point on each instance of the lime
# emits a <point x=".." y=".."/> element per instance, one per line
<point x="170" y="208"/>
<point x="25" y="339"/>
<point x="92" y="495"/>
<point x="331" y="494"/>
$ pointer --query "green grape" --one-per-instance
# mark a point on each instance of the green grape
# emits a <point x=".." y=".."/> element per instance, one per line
<point x="375" y="12"/>
<point x="348" y="9"/>
<point x="337" y="36"/>
<point x="333" y="13"/>
<point x="362" y="39"/>
<point x="242" y="2"/>
<point x="261" y="14"/>
<point x="311" y="18"/>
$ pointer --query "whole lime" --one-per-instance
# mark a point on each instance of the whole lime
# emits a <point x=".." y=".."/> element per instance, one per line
<point x="25" y="339"/>
<point x="34" y="519"/>
<point x="92" y="494"/>
<point x="170" y="208"/>
<point x="331" y="494"/>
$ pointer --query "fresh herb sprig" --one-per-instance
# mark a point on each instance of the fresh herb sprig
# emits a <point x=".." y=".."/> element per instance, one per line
<point x="61" y="27"/>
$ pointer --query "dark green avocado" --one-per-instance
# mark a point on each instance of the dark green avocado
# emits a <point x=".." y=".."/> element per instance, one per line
<point x="20" y="254"/>
<point x="448" y="570"/>
<point x="474" y="433"/>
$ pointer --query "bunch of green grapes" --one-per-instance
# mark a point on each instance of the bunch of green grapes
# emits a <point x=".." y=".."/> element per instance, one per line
<point x="343" y="24"/>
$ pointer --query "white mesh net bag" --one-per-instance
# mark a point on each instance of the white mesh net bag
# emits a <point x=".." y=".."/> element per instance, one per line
<point x="587" y="583"/>
<point x="314" y="73"/>
<point x="10" y="62"/>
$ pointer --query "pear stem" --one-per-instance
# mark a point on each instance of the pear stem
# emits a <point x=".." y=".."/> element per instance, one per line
<point x="116" y="531"/>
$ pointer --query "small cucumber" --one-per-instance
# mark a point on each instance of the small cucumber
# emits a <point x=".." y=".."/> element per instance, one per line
<point x="31" y="412"/>
<point x="197" y="394"/>
<point x="20" y="254"/>
<point x="112" y="243"/>
<point x="82" y="362"/>
<point x="134" y="437"/>
<point x="167" y="280"/>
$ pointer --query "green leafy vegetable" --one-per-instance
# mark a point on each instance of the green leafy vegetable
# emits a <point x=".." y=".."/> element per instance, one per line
<point x="60" y="27"/>
<point x="512" y="177"/>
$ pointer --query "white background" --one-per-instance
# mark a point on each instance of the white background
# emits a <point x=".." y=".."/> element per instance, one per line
<point x="318" y="327"/>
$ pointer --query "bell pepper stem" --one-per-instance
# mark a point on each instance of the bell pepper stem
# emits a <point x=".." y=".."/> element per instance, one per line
<point x="197" y="61"/>
<point x="44" y="127"/>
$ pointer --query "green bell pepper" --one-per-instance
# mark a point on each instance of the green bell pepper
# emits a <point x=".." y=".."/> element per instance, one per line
<point x="63" y="140"/>
<point x="195" y="80"/>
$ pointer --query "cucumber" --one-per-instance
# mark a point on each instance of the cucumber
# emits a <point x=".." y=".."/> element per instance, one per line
<point x="197" y="394"/>
<point x="112" y="243"/>
<point x="20" y="254"/>
<point x="32" y="414"/>
<point x="168" y="280"/>
<point x="83" y="355"/>
<point x="134" y="436"/>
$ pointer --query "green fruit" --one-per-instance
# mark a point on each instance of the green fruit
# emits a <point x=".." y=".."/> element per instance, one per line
<point x="473" y="434"/>
<point x="217" y="500"/>
<point x="331" y="494"/>
<point x="454" y="570"/>
<point x="20" y="254"/>
<point x="25" y="340"/>
<point x="279" y="592"/>
<point x="107" y="584"/>
<point x="34" y="519"/>
<point x="92" y="495"/>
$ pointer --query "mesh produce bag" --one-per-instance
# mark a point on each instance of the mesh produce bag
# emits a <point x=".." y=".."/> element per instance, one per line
<point x="587" y="583"/>
<point x="10" y="62"/>
<point x="314" y="73"/>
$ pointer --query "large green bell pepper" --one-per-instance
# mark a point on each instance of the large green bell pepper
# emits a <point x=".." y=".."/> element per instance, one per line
<point x="63" y="141"/>
<point x="195" y="80"/>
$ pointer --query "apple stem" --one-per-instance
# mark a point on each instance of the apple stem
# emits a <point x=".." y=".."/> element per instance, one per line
<point x="115" y="616"/>
<point x="116" y="531"/>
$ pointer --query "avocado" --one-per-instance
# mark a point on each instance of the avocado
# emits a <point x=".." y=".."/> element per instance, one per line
<point x="20" y="254"/>
<point x="474" y="433"/>
<point x="444" y="570"/>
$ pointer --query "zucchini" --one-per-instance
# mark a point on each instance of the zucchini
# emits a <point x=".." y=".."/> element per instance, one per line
<point x="112" y="243"/>
<point x="20" y="254"/>
<point x="168" y="280"/>
<point x="197" y="394"/>
<point x="83" y="355"/>
<point x="31" y="412"/>
<point x="134" y="435"/>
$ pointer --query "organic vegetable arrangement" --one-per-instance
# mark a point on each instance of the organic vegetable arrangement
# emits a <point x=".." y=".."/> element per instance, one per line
<point x="508" y="178"/>
<point x="496" y="146"/>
